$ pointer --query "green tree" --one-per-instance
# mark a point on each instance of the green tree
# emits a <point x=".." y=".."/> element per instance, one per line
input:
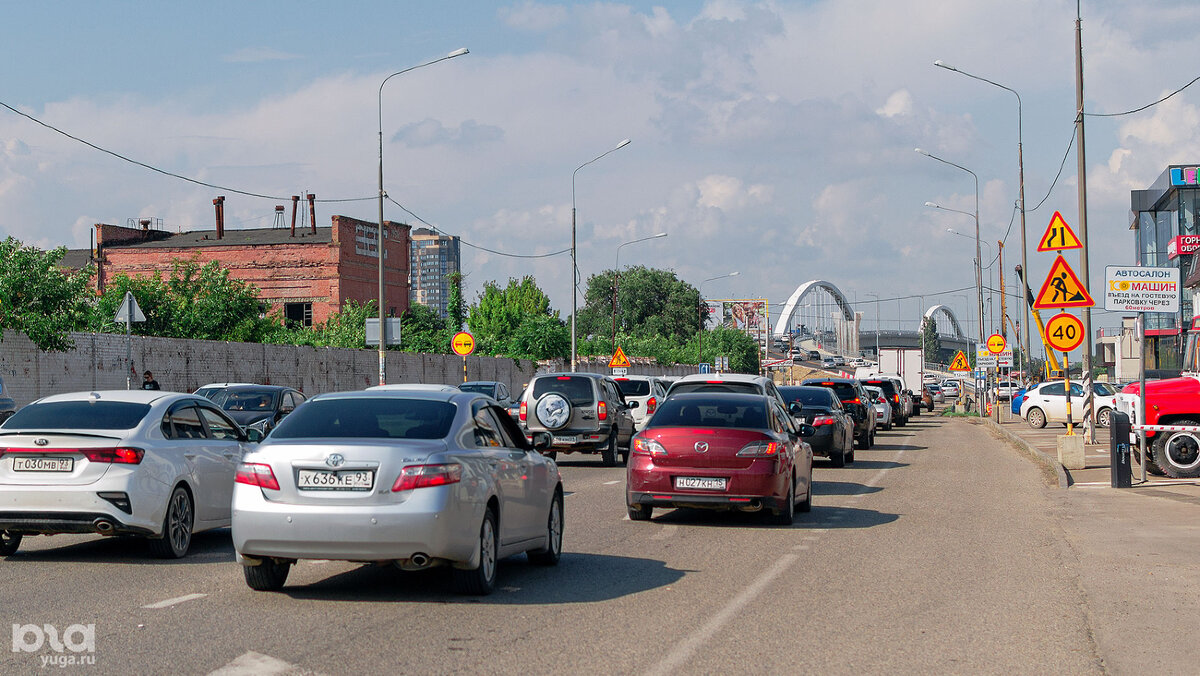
<point x="456" y="310"/>
<point x="930" y="343"/>
<point x="541" y="337"/>
<point x="500" y="312"/>
<point x="650" y="302"/>
<point x="40" y="299"/>
<point x="422" y="330"/>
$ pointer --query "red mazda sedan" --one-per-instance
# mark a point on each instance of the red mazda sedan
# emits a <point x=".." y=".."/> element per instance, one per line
<point x="720" y="450"/>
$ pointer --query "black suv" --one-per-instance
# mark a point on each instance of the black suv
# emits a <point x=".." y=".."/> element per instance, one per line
<point x="585" y="412"/>
<point x="856" y="402"/>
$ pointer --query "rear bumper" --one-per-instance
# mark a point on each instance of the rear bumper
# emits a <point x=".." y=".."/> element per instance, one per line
<point x="78" y="509"/>
<point x="822" y="441"/>
<point x="588" y="441"/>
<point x="54" y="523"/>
<point x="761" y="483"/>
<point x="743" y="502"/>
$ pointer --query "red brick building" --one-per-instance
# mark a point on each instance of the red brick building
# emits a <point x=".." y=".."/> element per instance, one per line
<point x="306" y="274"/>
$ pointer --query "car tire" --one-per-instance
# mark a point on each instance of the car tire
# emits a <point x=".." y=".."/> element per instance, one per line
<point x="786" y="515"/>
<point x="640" y="512"/>
<point x="1104" y="417"/>
<point x="554" y="534"/>
<point x="850" y="455"/>
<point x="481" y="580"/>
<point x="837" y="458"/>
<point x="1036" y="418"/>
<point x="269" y="575"/>
<point x="806" y="506"/>
<point x="1151" y="466"/>
<point x="609" y="454"/>
<point x="176" y="536"/>
<point x="1178" y="454"/>
<point x="861" y="441"/>
<point x="9" y="543"/>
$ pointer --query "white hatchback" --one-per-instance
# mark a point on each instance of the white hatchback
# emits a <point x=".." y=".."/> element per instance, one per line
<point x="648" y="391"/>
<point x="150" y="463"/>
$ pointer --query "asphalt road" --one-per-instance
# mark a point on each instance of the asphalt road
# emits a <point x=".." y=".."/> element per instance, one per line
<point x="939" y="551"/>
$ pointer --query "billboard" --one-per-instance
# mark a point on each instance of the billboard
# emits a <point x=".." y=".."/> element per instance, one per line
<point x="749" y="315"/>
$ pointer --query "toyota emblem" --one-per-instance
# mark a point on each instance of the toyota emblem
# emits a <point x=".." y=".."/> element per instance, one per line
<point x="41" y="441"/>
<point x="335" y="460"/>
<point x="701" y="447"/>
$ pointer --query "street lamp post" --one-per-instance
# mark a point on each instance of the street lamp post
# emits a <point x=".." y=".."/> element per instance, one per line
<point x="379" y="243"/>
<point x="574" y="259"/>
<point x="877" y="304"/>
<point x="703" y="311"/>
<point x="617" y="282"/>
<point x="1020" y="198"/>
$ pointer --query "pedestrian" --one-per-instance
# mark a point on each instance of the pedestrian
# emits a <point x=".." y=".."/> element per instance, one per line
<point x="148" y="382"/>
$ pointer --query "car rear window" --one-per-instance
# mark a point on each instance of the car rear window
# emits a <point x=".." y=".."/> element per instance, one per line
<point x="808" y="396"/>
<point x="576" y="389"/>
<point x="246" y="400"/>
<point x="716" y="386"/>
<point x="479" y="388"/>
<point x="886" y="385"/>
<point x="710" y="412"/>
<point x="78" y="415"/>
<point x="381" y="418"/>
<point x="844" y="391"/>
<point x="1103" y="389"/>
<point x="634" y="388"/>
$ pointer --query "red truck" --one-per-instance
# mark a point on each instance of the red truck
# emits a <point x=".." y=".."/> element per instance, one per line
<point x="1172" y="401"/>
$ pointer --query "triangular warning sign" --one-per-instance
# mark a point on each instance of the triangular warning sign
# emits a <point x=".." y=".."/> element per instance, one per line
<point x="1059" y="236"/>
<point x="619" y="360"/>
<point x="960" y="362"/>
<point x="1062" y="289"/>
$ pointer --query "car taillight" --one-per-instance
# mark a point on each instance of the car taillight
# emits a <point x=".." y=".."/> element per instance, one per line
<point x="648" y="447"/>
<point x="760" y="449"/>
<point x="524" y="411"/>
<point x="651" y="404"/>
<point x="423" y="476"/>
<point x="896" y="398"/>
<point x="256" y="474"/>
<point x="116" y="456"/>
<point x="823" y="420"/>
<point x="602" y="411"/>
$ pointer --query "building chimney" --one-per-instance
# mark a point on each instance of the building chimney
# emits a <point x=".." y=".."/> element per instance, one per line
<point x="219" y="204"/>
<point x="145" y="223"/>
<point x="312" y="211"/>
<point x="295" y="202"/>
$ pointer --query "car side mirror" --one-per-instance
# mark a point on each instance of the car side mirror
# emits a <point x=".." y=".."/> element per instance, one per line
<point x="542" y="441"/>
<point x="633" y="404"/>
<point x="807" y="430"/>
<point x="254" y="435"/>
<point x="795" y="408"/>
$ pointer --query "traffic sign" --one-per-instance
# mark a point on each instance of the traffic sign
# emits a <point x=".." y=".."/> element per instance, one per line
<point x="1064" y="332"/>
<point x="984" y="359"/>
<point x="619" y="360"/>
<point x="1059" y="236"/>
<point x="462" y="343"/>
<point x="1062" y="289"/>
<point x="129" y="310"/>
<point x="1141" y="289"/>
<point x="959" y="363"/>
<point x="1005" y="359"/>
<point x="620" y="371"/>
<point x="996" y="343"/>
<point x="705" y="367"/>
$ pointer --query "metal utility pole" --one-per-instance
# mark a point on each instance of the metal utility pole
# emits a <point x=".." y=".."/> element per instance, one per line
<point x="1081" y="155"/>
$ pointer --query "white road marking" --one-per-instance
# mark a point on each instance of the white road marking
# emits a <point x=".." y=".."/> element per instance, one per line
<point x="666" y="532"/>
<point x="170" y="602"/>
<point x="257" y="664"/>
<point x="609" y="483"/>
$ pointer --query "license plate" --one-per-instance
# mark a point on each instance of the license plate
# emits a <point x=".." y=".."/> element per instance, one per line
<point x="701" y="483"/>
<point x="564" y="441"/>
<point x="342" y="480"/>
<point x="40" y="464"/>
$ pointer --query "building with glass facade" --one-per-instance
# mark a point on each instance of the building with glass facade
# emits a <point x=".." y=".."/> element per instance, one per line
<point x="1163" y="219"/>
<point x="434" y="256"/>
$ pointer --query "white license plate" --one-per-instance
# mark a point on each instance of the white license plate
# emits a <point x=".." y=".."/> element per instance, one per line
<point x="341" y="480"/>
<point x="701" y="483"/>
<point x="42" y="464"/>
<point x="564" y="441"/>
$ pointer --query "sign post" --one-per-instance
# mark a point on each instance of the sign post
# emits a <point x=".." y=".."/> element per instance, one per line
<point x="463" y="345"/>
<point x="129" y="312"/>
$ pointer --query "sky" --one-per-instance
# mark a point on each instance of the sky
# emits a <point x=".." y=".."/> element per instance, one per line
<point x="774" y="138"/>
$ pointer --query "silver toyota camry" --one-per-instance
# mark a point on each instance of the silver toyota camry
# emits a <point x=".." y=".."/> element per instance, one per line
<point x="416" y="478"/>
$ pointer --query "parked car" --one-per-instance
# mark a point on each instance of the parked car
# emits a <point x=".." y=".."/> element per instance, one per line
<point x="647" y="391"/>
<point x="492" y="388"/>
<point x="721" y="450"/>
<point x="879" y="403"/>
<point x="814" y="355"/>
<point x="1018" y="398"/>
<point x="854" y="400"/>
<point x="584" y="411"/>
<point x="1005" y="389"/>
<point x="7" y="405"/>
<point x="466" y="488"/>
<point x="1047" y="402"/>
<point x="149" y="463"/>
<point x="212" y="388"/>
<point x="951" y="388"/>
<point x="259" y="407"/>
<point x="900" y="403"/>
<point x="833" y="437"/>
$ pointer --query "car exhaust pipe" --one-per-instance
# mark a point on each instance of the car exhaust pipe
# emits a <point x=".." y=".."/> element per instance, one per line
<point x="103" y="526"/>
<point x="419" y="559"/>
<point x="755" y="506"/>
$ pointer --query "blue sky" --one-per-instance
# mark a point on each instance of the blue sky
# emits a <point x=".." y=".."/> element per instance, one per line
<point x="772" y="138"/>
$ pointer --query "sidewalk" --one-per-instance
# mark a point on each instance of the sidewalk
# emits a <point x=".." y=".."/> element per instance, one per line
<point x="1096" y="474"/>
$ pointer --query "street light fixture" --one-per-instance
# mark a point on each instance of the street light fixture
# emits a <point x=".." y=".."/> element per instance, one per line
<point x="574" y="259"/>
<point x="379" y="243"/>
<point x="704" y="311"/>
<point x="1025" y="315"/>
<point x="617" y="282"/>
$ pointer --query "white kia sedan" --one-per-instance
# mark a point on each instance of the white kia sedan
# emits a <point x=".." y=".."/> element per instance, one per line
<point x="417" y="478"/>
<point x="124" y="462"/>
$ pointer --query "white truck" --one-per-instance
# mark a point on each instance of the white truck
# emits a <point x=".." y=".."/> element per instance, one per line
<point x="909" y="364"/>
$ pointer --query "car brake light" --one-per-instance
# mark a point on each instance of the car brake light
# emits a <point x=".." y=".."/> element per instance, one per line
<point x="424" y="476"/>
<point x="823" y="420"/>
<point x="564" y="377"/>
<point x="117" y="456"/>
<point x="759" y="449"/>
<point x="256" y="474"/>
<point x="896" y="398"/>
<point x="651" y="404"/>
<point x="714" y="382"/>
<point x="649" y="447"/>
<point x="524" y="411"/>
<point x="602" y="411"/>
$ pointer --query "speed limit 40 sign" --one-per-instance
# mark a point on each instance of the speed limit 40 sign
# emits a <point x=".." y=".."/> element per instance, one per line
<point x="1064" y="332"/>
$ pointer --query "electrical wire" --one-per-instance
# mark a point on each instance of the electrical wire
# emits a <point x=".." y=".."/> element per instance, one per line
<point x="474" y="246"/>
<point x="1148" y="105"/>
<point x="1057" y="176"/>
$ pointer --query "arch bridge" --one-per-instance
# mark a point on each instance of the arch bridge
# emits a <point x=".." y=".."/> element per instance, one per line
<point x="846" y="309"/>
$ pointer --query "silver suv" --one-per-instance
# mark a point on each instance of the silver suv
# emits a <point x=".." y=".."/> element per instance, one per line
<point x="585" y="412"/>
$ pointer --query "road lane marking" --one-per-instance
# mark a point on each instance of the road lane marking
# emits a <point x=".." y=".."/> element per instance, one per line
<point x="170" y="602"/>
<point x="257" y="664"/>
<point x="666" y="532"/>
<point x="609" y="483"/>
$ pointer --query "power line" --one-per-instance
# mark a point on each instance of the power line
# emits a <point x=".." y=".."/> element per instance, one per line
<point x="1148" y="105"/>
<point x="474" y="246"/>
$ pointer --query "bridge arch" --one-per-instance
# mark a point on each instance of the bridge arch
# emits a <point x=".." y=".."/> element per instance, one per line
<point x="958" y="332"/>
<point x="789" y="308"/>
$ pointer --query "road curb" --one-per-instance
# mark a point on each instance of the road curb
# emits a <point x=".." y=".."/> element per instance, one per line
<point x="1038" y="456"/>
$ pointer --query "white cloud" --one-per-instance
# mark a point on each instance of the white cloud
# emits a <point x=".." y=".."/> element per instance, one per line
<point x="534" y="17"/>
<point x="899" y="103"/>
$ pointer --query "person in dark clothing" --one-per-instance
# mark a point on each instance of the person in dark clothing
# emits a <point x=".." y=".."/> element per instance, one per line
<point x="148" y="381"/>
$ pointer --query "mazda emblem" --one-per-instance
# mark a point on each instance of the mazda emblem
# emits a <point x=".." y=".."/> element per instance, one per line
<point x="40" y="441"/>
<point x="335" y="460"/>
<point x="701" y="447"/>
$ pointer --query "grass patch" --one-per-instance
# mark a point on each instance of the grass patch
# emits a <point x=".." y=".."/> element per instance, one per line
<point x="950" y="413"/>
